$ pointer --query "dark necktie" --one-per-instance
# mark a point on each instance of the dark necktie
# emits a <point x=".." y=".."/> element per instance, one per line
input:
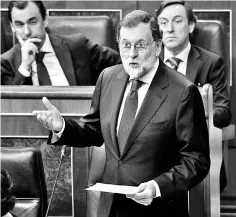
<point x="174" y="62"/>
<point x="42" y="71"/>
<point x="128" y="115"/>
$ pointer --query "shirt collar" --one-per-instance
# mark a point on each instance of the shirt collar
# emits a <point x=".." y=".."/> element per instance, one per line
<point x="183" y="55"/>
<point x="47" y="46"/>
<point x="8" y="215"/>
<point x="147" y="79"/>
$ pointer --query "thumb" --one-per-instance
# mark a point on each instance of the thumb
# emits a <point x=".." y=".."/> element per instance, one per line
<point x="142" y="186"/>
<point x="48" y="104"/>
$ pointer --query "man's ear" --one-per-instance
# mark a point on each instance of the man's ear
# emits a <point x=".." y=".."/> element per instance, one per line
<point x="12" y="28"/>
<point x="45" y="21"/>
<point x="191" y="27"/>
<point x="159" y="46"/>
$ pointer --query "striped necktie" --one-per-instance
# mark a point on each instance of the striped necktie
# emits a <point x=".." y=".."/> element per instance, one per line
<point x="174" y="62"/>
<point x="128" y="115"/>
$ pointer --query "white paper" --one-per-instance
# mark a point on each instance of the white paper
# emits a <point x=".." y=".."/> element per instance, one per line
<point x="118" y="189"/>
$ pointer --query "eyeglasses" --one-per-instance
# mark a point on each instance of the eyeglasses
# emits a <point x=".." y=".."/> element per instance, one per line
<point x="140" y="46"/>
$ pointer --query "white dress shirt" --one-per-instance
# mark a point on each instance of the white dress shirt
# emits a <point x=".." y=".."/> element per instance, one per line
<point x="7" y="215"/>
<point x="142" y="91"/>
<point x="183" y="56"/>
<point x="56" y="74"/>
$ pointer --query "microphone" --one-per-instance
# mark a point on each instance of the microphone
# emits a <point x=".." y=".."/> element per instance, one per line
<point x="63" y="150"/>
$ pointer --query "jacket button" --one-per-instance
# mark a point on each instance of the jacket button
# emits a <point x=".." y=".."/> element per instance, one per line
<point x="120" y="162"/>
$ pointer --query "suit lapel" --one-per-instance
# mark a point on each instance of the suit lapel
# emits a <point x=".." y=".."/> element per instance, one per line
<point x="155" y="96"/>
<point x="193" y="64"/>
<point x="118" y="89"/>
<point x="161" y="56"/>
<point x="64" y="57"/>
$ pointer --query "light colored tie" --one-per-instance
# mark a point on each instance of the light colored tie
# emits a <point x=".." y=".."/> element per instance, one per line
<point x="174" y="62"/>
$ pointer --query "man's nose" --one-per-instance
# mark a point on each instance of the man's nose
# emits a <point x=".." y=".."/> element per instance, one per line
<point x="27" y="30"/>
<point x="133" y="52"/>
<point x="170" y="27"/>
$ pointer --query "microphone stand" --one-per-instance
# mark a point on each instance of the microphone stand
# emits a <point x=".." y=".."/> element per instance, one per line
<point x="62" y="156"/>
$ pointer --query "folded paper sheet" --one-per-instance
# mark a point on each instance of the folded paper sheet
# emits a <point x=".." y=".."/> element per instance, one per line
<point x="118" y="189"/>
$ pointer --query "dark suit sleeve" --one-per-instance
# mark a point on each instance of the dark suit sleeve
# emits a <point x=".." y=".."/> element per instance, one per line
<point x="87" y="131"/>
<point x="193" y="145"/>
<point x="9" y="74"/>
<point x="217" y="78"/>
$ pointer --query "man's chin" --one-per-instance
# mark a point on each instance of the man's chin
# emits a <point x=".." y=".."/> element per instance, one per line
<point x="134" y="72"/>
<point x="171" y="44"/>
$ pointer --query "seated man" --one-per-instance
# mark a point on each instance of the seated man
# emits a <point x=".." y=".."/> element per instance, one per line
<point x="45" y="59"/>
<point x="177" y="21"/>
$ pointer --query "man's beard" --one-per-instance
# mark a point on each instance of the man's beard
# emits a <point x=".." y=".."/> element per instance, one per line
<point x="136" y="72"/>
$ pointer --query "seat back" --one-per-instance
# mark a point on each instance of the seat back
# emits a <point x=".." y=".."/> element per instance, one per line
<point x="98" y="29"/>
<point x="211" y="35"/>
<point x="25" y="167"/>
<point x="204" y="199"/>
<point x="97" y="163"/>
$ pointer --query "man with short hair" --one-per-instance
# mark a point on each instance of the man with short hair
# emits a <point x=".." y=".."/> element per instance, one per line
<point x="152" y="122"/>
<point x="46" y="59"/>
<point x="177" y="21"/>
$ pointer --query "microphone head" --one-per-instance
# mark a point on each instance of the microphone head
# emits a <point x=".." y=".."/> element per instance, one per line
<point x="63" y="150"/>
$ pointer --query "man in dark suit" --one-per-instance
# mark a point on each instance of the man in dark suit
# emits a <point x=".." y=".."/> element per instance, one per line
<point x="69" y="60"/>
<point x="177" y="22"/>
<point x="152" y="122"/>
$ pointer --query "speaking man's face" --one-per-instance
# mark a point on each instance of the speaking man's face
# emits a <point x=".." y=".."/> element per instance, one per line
<point x="138" y="50"/>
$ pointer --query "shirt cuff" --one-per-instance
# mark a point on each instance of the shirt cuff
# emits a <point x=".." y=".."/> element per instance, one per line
<point x="57" y="136"/>
<point x="24" y="72"/>
<point x="158" y="192"/>
<point x="62" y="129"/>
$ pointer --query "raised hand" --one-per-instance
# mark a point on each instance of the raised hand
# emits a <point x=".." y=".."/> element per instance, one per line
<point x="28" y="51"/>
<point x="51" y="118"/>
<point x="145" y="193"/>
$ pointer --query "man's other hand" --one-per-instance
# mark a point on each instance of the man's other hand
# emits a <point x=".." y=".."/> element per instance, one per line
<point x="145" y="193"/>
<point x="51" y="118"/>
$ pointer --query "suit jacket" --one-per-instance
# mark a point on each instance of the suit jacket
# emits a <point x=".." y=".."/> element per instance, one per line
<point x="206" y="67"/>
<point x="81" y="61"/>
<point x="168" y="141"/>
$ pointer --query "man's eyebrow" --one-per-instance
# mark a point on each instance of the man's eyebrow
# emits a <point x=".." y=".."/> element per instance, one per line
<point x="162" y="18"/>
<point x="18" y="21"/>
<point x="177" y="16"/>
<point x="32" y="18"/>
<point x="165" y="18"/>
